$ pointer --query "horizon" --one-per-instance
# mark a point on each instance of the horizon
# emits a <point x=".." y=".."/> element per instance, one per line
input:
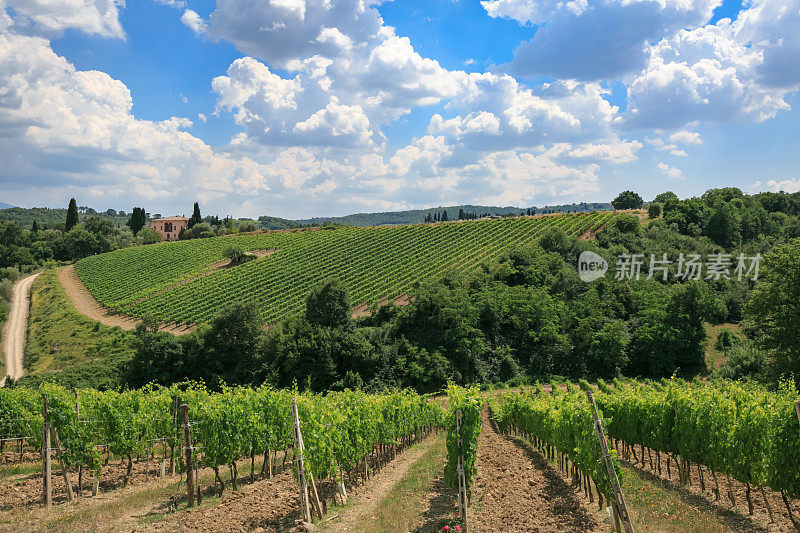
<point x="299" y="110"/>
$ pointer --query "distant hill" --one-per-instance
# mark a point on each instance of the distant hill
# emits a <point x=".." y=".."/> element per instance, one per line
<point x="415" y="216"/>
<point x="50" y="217"/>
<point x="275" y="222"/>
<point x="4" y="205"/>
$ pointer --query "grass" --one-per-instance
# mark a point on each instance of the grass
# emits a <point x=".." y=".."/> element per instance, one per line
<point x="715" y="358"/>
<point x="401" y="508"/>
<point x="655" y="508"/>
<point x="14" y="469"/>
<point x="59" y="337"/>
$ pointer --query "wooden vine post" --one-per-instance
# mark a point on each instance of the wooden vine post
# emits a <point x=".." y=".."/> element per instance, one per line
<point x="47" y="486"/>
<point x="797" y="410"/>
<point x="301" y="474"/>
<point x="62" y="463"/>
<point x="187" y="446"/>
<point x="462" y="483"/>
<point x="612" y="473"/>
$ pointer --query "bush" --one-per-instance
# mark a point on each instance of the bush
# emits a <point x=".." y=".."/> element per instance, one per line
<point x="148" y="236"/>
<point x="245" y="227"/>
<point x="654" y="210"/>
<point x="627" y="223"/>
<point x="744" y="360"/>
<point x="726" y="340"/>
<point x="235" y="253"/>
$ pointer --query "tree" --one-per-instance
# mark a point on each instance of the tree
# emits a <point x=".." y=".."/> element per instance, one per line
<point x="235" y="253"/>
<point x="138" y="220"/>
<point x="328" y="304"/>
<point x="665" y="197"/>
<point x="196" y="218"/>
<point x="654" y="210"/>
<point x="72" y="215"/>
<point x="444" y="216"/>
<point x="149" y="236"/>
<point x="627" y="200"/>
<point x="231" y="347"/>
<point x="35" y="227"/>
<point x="774" y="308"/>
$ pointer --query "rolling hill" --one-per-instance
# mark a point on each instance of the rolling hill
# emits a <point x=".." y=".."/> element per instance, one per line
<point x="415" y="216"/>
<point x="188" y="281"/>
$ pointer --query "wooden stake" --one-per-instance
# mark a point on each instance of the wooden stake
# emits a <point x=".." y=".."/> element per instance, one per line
<point x="64" y="471"/>
<point x="47" y="486"/>
<point x="620" y="506"/>
<point x="462" y="483"/>
<point x="301" y="476"/>
<point x="187" y="445"/>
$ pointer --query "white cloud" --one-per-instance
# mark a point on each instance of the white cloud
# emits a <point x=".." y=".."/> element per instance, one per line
<point x="787" y="185"/>
<point x="592" y="40"/>
<point x="193" y="21"/>
<point x="670" y="172"/>
<point x="51" y="17"/>
<point x="202" y="117"/>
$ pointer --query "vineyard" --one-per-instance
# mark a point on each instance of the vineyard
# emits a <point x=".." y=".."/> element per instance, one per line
<point x="738" y="433"/>
<point x="179" y="281"/>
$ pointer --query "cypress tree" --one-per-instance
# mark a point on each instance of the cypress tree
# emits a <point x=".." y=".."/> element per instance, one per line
<point x="444" y="216"/>
<point x="35" y="227"/>
<point x="196" y="218"/>
<point x="72" y="215"/>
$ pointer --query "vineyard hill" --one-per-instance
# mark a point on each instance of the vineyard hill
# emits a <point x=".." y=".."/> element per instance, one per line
<point x="188" y="281"/>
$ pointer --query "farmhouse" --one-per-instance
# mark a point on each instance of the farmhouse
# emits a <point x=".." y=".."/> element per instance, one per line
<point x="169" y="227"/>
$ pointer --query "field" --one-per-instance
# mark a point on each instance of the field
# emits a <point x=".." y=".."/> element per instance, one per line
<point x="184" y="281"/>
<point x="531" y="459"/>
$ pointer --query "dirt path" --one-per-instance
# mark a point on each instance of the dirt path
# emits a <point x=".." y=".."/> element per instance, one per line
<point x="16" y="326"/>
<point x="85" y="304"/>
<point x="515" y="489"/>
<point x="369" y="496"/>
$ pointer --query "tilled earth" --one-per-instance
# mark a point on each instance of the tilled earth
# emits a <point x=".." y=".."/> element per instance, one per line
<point x="515" y="489"/>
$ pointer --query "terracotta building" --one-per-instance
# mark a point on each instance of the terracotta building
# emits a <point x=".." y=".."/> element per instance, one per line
<point x="169" y="227"/>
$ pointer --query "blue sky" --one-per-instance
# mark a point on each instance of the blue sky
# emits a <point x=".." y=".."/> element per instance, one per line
<point x="298" y="108"/>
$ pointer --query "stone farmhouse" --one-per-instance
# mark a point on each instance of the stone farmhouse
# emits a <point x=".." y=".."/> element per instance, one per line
<point x="169" y="227"/>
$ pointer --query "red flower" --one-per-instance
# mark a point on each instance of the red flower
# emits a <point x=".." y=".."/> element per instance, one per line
<point x="458" y="528"/>
<point x="446" y="528"/>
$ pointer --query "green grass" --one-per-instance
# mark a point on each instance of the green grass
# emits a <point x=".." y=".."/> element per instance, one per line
<point x="373" y="262"/>
<point x="61" y="338"/>
<point x="656" y="508"/>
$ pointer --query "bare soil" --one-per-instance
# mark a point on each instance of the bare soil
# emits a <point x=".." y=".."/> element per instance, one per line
<point x="26" y="489"/>
<point x="85" y="304"/>
<point x="363" y="309"/>
<point x="516" y="489"/>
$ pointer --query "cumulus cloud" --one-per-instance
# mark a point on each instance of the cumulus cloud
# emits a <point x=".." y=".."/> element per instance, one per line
<point x="593" y="40"/>
<point x="193" y="21"/>
<point x="669" y="171"/>
<point x="729" y="71"/>
<point x="789" y="185"/>
<point x="51" y="17"/>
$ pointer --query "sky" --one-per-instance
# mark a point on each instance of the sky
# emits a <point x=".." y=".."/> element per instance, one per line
<point x="300" y="108"/>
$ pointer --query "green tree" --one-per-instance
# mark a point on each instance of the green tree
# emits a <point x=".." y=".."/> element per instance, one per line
<point x="72" y="215"/>
<point x="627" y="200"/>
<point x="231" y="348"/>
<point x="138" y="220"/>
<point x="665" y="197"/>
<point x="235" y="253"/>
<point x="35" y="227"/>
<point x="328" y="304"/>
<point x="774" y="308"/>
<point x="196" y="218"/>
<point x="654" y="210"/>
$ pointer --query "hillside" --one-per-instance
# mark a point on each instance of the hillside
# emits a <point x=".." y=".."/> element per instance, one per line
<point x="4" y="205"/>
<point x="186" y="281"/>
<point x="415" y="216"/>
<point x="47" y="216"/>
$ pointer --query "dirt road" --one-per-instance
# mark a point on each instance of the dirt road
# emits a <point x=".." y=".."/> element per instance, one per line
<point x="16" y="326"/>
<point x="85" y="304"/>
